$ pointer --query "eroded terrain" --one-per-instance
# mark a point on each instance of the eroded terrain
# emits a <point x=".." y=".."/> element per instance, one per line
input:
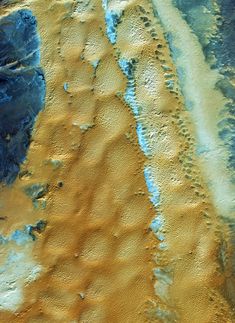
<point x="122" y="210"/>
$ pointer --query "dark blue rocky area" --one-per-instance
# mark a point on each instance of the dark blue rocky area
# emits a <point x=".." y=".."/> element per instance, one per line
<point x="22" y="89"/>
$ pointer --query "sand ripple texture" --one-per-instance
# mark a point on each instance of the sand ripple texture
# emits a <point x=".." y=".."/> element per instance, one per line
<point x="122" y="210"/>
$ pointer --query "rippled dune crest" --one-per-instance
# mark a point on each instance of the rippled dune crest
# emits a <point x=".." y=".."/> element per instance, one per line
<point x="117" y="158"/>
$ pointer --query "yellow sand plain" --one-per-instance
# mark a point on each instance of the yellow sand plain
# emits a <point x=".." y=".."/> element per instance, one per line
<point x="97" y="252"/>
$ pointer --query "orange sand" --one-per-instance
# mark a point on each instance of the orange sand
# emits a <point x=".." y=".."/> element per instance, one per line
<point x="97" y="251"/>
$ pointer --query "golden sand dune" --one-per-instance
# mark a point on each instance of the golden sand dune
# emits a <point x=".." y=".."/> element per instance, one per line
<point x="98" y="260"/>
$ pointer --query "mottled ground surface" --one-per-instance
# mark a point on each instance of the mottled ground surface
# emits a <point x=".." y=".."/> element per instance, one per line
<point x="117" y="161"/>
